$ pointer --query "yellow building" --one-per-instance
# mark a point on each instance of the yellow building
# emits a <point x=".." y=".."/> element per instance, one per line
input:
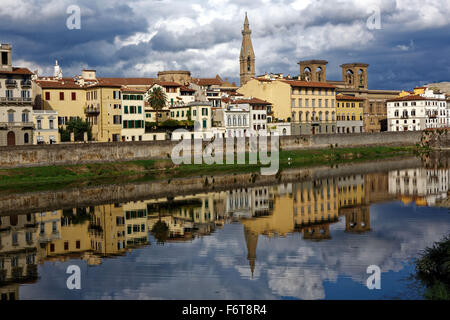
<point x="65" y="96"/>
<point x="107" y="230"/>
<point x="315" y="202"/>
<point x="277" y="92"/>
<point x="103" y="111"/>
<point x="63" y="233"/>
<point x="309" y="106"/>
<point x="349" y="114"/>
<point x="313" y="106"/>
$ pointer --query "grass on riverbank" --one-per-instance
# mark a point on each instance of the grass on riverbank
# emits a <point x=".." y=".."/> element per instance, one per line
<point x="58" y="177"/>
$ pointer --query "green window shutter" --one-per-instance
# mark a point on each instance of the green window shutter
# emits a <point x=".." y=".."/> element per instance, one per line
<point x="125" y="108"/>
<point x="139" y="109"/>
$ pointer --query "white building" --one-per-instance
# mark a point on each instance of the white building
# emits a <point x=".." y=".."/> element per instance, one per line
<point x="417" y="112"/>
<point x="46" y="127"/>
<point x="426" y="186"/>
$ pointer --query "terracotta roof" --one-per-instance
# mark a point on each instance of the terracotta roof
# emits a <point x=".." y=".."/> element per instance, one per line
<point x="344" y="97"/>
<point x="167" y="84"/>
<point x="66" y="83"/>
<point x="408" y="98"/>
<point x="186" y="89"/>
<point x="20" y="71"/>
<point x="250" y="101"/>
<point x="129" y="81"/>
<point x="207" y="81"/>
<point x="133" y="90"/>
<point x="308" y="84"/>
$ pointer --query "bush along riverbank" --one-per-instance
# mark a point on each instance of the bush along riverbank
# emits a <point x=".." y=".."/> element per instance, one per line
<point x="56" y="177"/>
<point x="433" y="270"/>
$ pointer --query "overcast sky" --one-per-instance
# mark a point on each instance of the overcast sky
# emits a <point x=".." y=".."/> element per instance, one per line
<point x="142" y="37"/>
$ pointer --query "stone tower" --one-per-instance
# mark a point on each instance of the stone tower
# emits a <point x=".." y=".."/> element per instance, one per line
<point x="247" y="57"/>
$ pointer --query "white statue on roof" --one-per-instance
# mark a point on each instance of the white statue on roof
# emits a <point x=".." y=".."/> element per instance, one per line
<point x="57" y="73"/>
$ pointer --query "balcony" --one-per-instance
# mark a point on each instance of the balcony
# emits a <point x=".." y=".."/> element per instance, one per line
<point x="10" y="100"/>
<point x="25" y="83"/>
<point x="10" y="83"/>
<point x="23" y="125"/>
<point x="92" y="110"/>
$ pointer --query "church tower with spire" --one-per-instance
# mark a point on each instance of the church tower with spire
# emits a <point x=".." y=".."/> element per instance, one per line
<point x="247" y="57"/>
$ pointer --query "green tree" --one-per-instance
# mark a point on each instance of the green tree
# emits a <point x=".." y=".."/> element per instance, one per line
<point x="157" y="100"/>
<point x="78" y="127"/>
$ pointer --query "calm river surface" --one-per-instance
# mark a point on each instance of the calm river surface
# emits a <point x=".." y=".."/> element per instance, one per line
<point x="306" y="240"/>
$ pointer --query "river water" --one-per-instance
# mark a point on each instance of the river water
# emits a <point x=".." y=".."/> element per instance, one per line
<point x="307" y="240"/>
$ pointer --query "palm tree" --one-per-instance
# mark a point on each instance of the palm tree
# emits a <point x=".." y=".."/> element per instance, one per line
<point x="157" y="100"/>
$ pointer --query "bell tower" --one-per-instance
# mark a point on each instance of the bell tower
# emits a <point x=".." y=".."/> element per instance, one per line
<point x="247" y="57"/>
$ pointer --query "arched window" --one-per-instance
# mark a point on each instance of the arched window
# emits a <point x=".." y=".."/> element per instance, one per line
<point x="349" y="76"/>
<point x="300" y="116"/>
<point x="396" y="113"/>
<point x="326" y="116"/>
<point x="332" y="116"/>
<point x="319" y="74"/>
<point x="307" y="117"/>
<point x="413" y="112"/>
<point x="320" y="116"/>
<point x="239" y="121"/>
<point x="361" y="77"/>
<point x="229" y="120"/>
<point x="249" y="64"/>
<point x="26" y="138"/>
<point x="284" y="131"/>
<point x="234" y="121"/>
<point x="353" y="117"/>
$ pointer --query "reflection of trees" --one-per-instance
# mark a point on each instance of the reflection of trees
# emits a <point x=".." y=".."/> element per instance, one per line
<point x="433" y="270"/>
<point x="80" y="216"/>
<point x="160" y="231"/>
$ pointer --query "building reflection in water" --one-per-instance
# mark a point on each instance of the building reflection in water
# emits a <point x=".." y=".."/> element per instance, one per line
<point x="308" y="208"/>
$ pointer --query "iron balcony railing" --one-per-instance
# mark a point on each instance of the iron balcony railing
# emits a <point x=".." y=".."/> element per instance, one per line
<point x="15" y="100"/>
<point x="91" y="110"/>
<point x="25" y="83"/>
<point x="10" y="82"/>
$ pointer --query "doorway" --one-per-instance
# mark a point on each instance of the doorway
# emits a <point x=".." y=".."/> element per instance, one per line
<point x="11" y="139"/>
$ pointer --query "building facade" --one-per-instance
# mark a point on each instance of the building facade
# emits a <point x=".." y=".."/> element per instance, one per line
<point x="16" y="124"/>
<point x="46" y="127"/>
<point x="349" y="114"/>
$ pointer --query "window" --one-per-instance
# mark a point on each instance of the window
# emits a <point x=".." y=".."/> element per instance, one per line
<point x="11" y="116"/>
<point x="51" y="124"/>
<point x="25" y="117"/>
<point x="125" y="109"/>
<point x="26" y="138"/>
<point x="47" y="96"/>
<point x="39" y="124"/>
<point x="61" y="96"/>
<point x="74" y="96"/>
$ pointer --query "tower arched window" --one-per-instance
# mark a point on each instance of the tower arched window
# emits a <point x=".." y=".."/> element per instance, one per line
<point x="249" y="64"/>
